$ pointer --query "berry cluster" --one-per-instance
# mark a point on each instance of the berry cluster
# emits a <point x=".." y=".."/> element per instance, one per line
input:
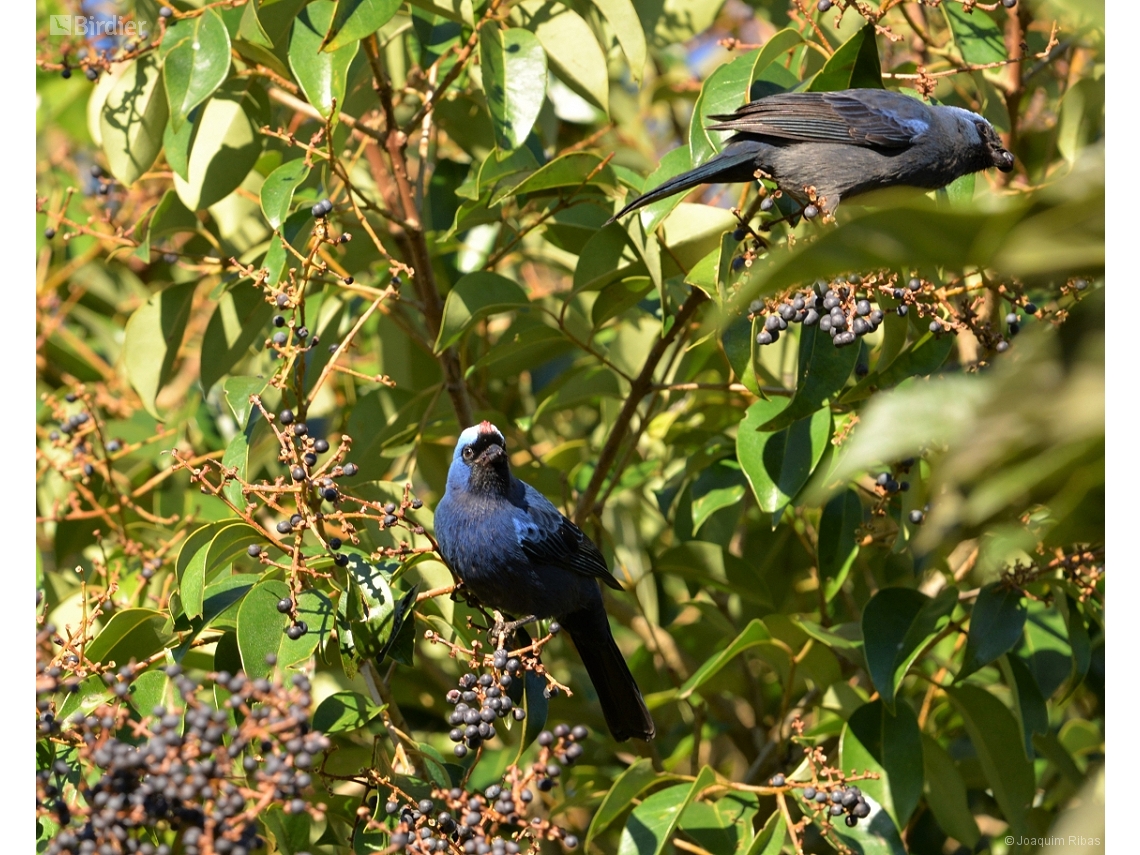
<point x="480" y="700"/>
<point x="841" y="800"/>
<point x="185" y="780"/>
<point x="492" y="822"/>
<point x="837" y="310"/>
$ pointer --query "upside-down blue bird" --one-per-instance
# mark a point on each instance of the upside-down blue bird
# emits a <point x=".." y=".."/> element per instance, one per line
<point x="517" y="554"/>
<point x="843" y="144"/>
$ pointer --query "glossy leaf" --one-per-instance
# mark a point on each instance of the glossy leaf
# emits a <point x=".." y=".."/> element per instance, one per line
<point x="514" y="79"/>
<point x="837" y="548"/>
<point x="474" y="297"/>
<point x="769" y="840"/>
<point x="153" y="336"/>
<point x="778" y="463"/>
<point x="238" y="391"/>
<point x="652" y="823"/>
<point x="622" y="18"/>
<point x="240" y="318"/>
<point x="322" y="74"/>
<point x="131" y="634"/>
<point x="572" y="50"/>
<point x="854" y="65"/>
<point x="897" y="624"/>
<point x="1029" y="703"/>
<point x="751" y="636"/>
<point x="356" y="19"/>
<point x="977" y="35"/>
<point x="227" y="145"/>
<point x="625" y="788"/>
<point x="261" y="628"/>
<point x="195" y="61"/>
<point x="892" y="745"/>
<point x="672" y="164"/>
<point x="133" y="120"/>
<point x="946" y="793"/>
<point x="994" y="732"/>
<point x="996" y="624"/>
<point x="278" y="189"/>
<point x="823" y="370"/>
<point x="724" y="90"/>
<point x="344" y="711"/>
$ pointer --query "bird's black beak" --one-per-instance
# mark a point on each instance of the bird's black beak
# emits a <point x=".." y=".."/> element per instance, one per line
<point x="491" y="455"/>
<point x="1003" y="160"/>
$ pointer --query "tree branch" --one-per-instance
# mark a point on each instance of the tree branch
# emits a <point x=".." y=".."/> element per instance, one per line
<point x="642" y="385"/>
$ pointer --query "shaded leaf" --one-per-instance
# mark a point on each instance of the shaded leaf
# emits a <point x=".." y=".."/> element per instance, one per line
<point x="322" y="74"/>
<point x="854" y="65"/>
<point x="344" y="711"/>
<point x="751" y="636"/>
<point x="474" y="297"/>
<point x="239" y="319"/>
<point x="652" y="823"/>
<point x="278" y="189"/>
<point x="514" y="80"/>
<point x="355" y="19"/>
<point x="152" y="339"/>
<point x="946" y="793"/>
<point x="977" y="35"/>
<point x="897" y="624"/>
<point x="625" y="788"/>
<point x="996" y="624"/>
<point x="873" y="737"/>
<point x="133" y="120"/>
<point x="779" y="463"/>
<point x="823" y="371"/>
<point x="130" y="634"/>
<point x="836" y="547"/>
<point x="195" y="61"/>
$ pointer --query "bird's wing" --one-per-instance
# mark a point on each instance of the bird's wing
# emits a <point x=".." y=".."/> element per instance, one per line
<point x="546" y="536"/>
<point x="856" y="117"/>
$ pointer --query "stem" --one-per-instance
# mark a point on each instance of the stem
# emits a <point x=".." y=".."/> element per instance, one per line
<point x="642" y="385"/>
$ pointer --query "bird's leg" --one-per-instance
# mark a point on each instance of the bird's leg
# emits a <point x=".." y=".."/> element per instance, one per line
<point x="503" y="629"/>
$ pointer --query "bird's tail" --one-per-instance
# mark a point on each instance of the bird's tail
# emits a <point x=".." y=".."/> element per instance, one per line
<point x="622" y="704"/>
<point x="738" y="162"/>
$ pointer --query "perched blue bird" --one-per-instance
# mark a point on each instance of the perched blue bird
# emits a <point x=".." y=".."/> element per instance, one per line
<point x="519" y="555"/>
<point x="843" y="144"/>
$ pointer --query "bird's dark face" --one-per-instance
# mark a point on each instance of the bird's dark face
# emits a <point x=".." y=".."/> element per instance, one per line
<point x="482" y="449"/>
<point x="999" y="155"/>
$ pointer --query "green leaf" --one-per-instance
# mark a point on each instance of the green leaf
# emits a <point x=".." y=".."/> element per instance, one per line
<point x="239" y="319"/>
<point x="569" y="170"/>
<point x="261" y="628"/>
<point x="897" y="624"/>
<point x="823" y="370"/>
<point x="277" y="191"/>
<point x="204" y="553"/>
<point x="572" y="50"/>
<point x="195" y="61"/>
<point x="238" y="391"/>
<point x="994" y="732"/>
<point x="996" y="624"/>
<point x="133" y="120"/>
<point x="344" y="711"/>
<point x="474" y="297"/>
<point x="946" y="793"/>
<point x="1078" y="642"/>
<point x="672" y="164"/>
<point x="855" y="65"/>
<point x="236" y="458"/>
<point x="152" y="339"/>
<point x="752" y="635"/>
<point x="357" y="19"/>
<point x="1029" y="703"/>
<point x="130" y="634"/>
<point x="977" y="35"/>
<point x="836" y="547"/>
<point x="514" y="81"/>
<point x="717" y="487"/>
<point x="921" y="359"/>
<point x="150" y="689"/>
<point x="874" y="740"/>
<point x="652" y="823"/>
<point x="227" y="145"/>
<point x="875" y="835"/>
<point x="623" y="20"/>
<point x="770" y="839"/>
<point x="724" y="90"/>
<point x="322" y="74"/>
<point x="625" y="788"/>
<point x="170" y="216"/>
<point x="779" y="463"/>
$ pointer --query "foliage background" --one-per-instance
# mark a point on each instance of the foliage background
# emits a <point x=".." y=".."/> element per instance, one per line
<point x="473" y="152"/>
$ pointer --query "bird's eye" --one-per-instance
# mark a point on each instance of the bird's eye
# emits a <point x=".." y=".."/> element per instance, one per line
<point x="468" y="453"/>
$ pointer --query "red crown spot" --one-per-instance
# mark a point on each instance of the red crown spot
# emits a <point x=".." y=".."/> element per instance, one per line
<point x="486" y="427"/>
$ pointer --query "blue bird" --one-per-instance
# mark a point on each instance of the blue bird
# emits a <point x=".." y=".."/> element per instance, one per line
<point x="517" y="554"/>
<point x="843" y="144"/>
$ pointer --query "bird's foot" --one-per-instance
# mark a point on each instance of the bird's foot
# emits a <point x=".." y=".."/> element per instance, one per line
<point x="503" y="629"/>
